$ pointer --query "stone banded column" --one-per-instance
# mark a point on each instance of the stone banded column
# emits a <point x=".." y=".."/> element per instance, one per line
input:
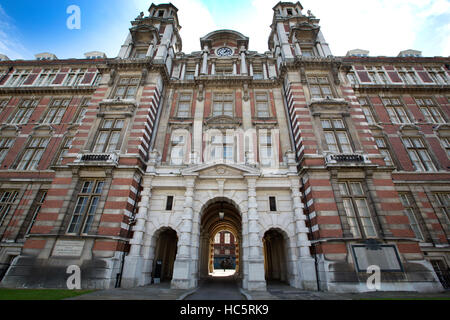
<point x="134" y="261"/>
<point x="305" y="277"/>
<point x="256" y="280"/>
<point x="182" y="268"/>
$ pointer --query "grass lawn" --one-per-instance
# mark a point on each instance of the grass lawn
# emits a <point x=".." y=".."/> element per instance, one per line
<point x="40" y="294"/>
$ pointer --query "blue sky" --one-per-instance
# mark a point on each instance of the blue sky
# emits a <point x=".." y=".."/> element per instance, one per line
<point x="382" y="26"/>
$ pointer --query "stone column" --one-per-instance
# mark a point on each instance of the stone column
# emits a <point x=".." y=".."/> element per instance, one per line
<point x="298" y="51"/>
<point x="134" y="261"/>
<point x="182" y="269"/>
<point x="265" y="72"/>
<point x="256" y="280"/>
<point x="183" y="71"/>
<point x="305" y="275"/>
<point x="204" y="69"/>
<point x="150" y="50"/>
<point x="243" y="62"/>
<point x="234" y="68"/>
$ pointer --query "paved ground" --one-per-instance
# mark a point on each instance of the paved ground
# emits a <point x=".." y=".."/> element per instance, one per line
<point x="220" y="286"/>
<point x="224" y="286"/>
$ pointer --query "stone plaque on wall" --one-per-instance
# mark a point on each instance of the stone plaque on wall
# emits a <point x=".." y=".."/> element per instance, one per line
<point x="385" y="256"/>
<point x="68" y="248"/>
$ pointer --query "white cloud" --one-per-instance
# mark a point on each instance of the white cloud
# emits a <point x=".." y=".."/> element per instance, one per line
<point x="9" y="45"/>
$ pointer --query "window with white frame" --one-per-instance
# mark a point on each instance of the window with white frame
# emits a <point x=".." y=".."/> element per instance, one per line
<point x="411" y="211"/>
<point x="418" y="154"/>
<point x="265" y="149"/>
<point x="7" y="201"/>
<point x="3" y="104"/>
<point x="18" y="77"/>
<point x="33" y="154"/>
<point x="67" y="144"/>
<point x="36" y="208"/>
<point x="319" y="87"/>
<point x="227" y="238"/>
<point x="262" y="105"/>
<point x="352" y="78"/>
<point x="223" y="104"/>
<point x="56" y="111"/>
<point x="443" y="207"/>
<point x="217" y="238"/>
<point x="357" y="210"/>
<point x="446" y="144"/>
<point x="384" y="150"/>
<point x="430" y="111"/>
<point x="396" y="111"/>
<point x="178" y="145"/>
<point x="189" y="74"/>
<point x="222" y="147"/>
<point x="127" y="88"/>
<point x="184" y="105"/>
<point x="336" y="136"/>
<point x="86" y="206"/>
<point x="5" y="145"/>
<point x="109" y="135"/>
<point x="82" y="110"/>
<point x="367" y="109"/>
<point x="258" y="73"/>
<point x="438" y="75"/>
<point x="23" y="112"/>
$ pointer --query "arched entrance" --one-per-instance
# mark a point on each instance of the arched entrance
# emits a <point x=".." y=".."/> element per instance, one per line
<point x="219" y="215"/>
<point x="275" y="253"/>
<point x="165" y="253"/>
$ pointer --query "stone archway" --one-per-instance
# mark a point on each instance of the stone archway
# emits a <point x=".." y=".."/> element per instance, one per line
<point x="165" y="253"/>
<point x="212" y="223"/>
<point x="275" y="256"/>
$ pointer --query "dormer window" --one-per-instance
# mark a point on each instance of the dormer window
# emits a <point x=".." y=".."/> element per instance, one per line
<point x="289" y="12"/>
<point x="160" y="13"/>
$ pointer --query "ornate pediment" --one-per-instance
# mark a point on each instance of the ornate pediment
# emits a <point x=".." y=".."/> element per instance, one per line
<point x="220" y="169"/>
<point x="117" y="107"/>
<point x="223" y="122"/>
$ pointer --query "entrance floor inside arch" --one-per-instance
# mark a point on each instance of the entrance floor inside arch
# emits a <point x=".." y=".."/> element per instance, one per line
<point x="219" y="285"/>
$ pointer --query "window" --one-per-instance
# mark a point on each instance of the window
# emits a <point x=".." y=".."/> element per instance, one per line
<point x="36" y="207"/>
<point x="56" y="111"/>
<point x="169" y="203"/>
<point x="262" y="105"/>
<point x="108" y="136"/>
<point x="7" y="199"/>
<point x="184" y="105"/>
<point x="446" y="143"/>
<point x="227" y="238"/>
<point x="367" y="110"/>
<point x="5" y="144"/>
<point x="419" y="155"/>
<point x="127" y="88"/>
<point x="273" y="203"/>
<point x="289" y="12"/>
<point x="86" y="206"/>
<point x="223" y="69"/>
<point x="97" y="80"/>
<point x="33" y="154"/>
<point x="189" y="74"/>
<point x="223" y="104"/>
<point x="351" y="77"/>
<point x="80" y="73"/>
<point x="395" y="110"/>
<point x="82" y="111"/>
<point x="160" y="13"/>
<point x="140" y="54"/>
<point x="3" y="104"/>
<point x="430" y="111"/>
<point x="177" y="149"/>
<point x="217" y="238"/>
<point x="64" y="149"/>
<point x="23" y="113"/>
<point x="319" y="87"/>
<point x="443" y="207"/>
<point x="258" y="73"/>
<point x="384" y="150"/>
<point x="307" y="52"/>
<point x="50" y="78"/>
<point x="222" y="147"/>
<point x="336" y="136"/>
<point x="437" y="75"/>
<point x="265" y="149"/>
<point x="357" y="210"/>
<point x="18" y="78"/>
<point x="410" y="211"/>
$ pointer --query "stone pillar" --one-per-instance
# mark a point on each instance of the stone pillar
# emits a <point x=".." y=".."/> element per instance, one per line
<point x="265" y="72"/>
<point x="256" y="280"/>
<point x="204" y="69"/>
<point x="183" y="71"/>
<point x="213" y="67"/>
<point x="243" y="62"/>
<point x="305" y="275"/>
<point x="284" y="41"/>
<point x="182" y="269"/>
<point x="134" y="261"/>
<point x="234" y="68"/>
<point x="298" y="51"/>
<point x="319" y="49"/>
<point x="150" y="50"/>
